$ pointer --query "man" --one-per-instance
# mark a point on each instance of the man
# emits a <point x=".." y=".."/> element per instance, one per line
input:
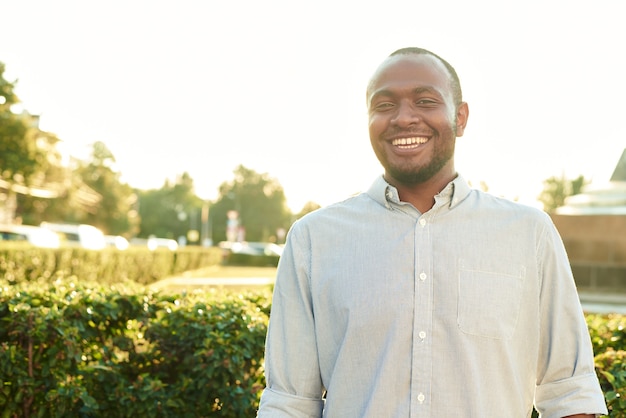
<point x="422" y="297"/>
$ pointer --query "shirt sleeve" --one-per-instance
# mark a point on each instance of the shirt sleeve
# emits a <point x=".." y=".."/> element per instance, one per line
<point x="566" y="380"/>
<point x="294" y="388"/>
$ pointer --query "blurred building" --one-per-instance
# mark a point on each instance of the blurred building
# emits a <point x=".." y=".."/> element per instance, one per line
<point x="593" y="227"/>
<point x="74" y="190"/>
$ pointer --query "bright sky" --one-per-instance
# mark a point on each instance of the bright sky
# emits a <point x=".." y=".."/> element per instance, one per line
<point x="278" y="86"/>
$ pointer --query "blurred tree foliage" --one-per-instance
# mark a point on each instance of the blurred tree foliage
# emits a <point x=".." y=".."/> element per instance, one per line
<point x="260" y="202"/>
<point x="19" y="155"/>
<point x="115" y="213"/>
<point x="30" y="164"/>
<point x="171" y="211"/>
<point x="307" y="208"/>
<point x="557" y="189"/>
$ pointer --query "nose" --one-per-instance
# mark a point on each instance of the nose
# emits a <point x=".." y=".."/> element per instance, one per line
<point x="405" y="115"/>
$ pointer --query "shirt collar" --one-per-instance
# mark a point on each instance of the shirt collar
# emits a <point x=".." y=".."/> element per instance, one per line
<point x="454" y="193"/>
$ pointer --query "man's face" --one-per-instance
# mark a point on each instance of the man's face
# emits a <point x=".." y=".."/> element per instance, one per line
<point x="413" y="122"/>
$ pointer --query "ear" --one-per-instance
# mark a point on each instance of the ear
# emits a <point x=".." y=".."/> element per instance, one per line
<point x="462" y="113"/>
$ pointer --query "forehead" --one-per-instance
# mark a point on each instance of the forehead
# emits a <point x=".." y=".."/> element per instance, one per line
<point x="410" y="72"/>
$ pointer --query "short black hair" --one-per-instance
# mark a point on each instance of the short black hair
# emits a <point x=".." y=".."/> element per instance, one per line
<point x="455" y="83"/>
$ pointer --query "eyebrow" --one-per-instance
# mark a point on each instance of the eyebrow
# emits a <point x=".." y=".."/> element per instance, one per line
<point x="420" y="90"/>
<point x="417" y="90"/>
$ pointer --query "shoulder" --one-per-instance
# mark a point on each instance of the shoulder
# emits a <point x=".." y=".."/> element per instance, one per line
<point x="340" y="210"/>
<point x="491" y="202"/>
<point x="507" y="213"/>
<point x="353" y="212"/>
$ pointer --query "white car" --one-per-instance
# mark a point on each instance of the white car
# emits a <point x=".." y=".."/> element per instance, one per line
<point x="116" y="241"/>
<point x="82" y="235"/>
<point x="153" y="243"/>
<point x="35" y="235"/>
<point x="257" y="248"/>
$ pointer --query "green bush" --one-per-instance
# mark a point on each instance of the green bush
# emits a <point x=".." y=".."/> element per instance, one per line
<point x="607" y="331"/>
<point x="69" y="349"/>
<point x="611" y="368"/>
<point x="608" y="336"/>
<point x="238" y="259"/>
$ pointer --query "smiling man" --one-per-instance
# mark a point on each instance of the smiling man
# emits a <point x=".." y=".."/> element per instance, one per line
<point x="423" y="297"/>
<point x="413" y="126"/>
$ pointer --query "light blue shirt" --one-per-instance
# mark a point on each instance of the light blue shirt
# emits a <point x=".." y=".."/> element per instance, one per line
<point x="467" y="310"/>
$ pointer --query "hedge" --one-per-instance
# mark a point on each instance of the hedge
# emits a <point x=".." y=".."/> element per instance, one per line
<point x="22" y="262"/>
<point x="608" y="336"/>
<point x="237" y="259"/>
<point x="73" y="350"/>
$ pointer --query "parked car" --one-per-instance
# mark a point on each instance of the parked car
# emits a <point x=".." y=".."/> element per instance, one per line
<point x="251" y="253"/>
<point x="81" y="235"/>
<point x="34" y="235"/>
<point x="116" y="241"/>
<point x="257" y="248"/>
<point x="153" y="243"/>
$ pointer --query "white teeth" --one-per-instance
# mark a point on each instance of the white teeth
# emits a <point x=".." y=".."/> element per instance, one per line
<point x="409" y="141"/>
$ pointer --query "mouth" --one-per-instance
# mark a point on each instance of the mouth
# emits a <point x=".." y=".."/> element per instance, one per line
<point x="409" y="143"/>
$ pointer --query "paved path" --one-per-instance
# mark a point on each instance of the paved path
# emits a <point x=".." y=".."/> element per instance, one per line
<point x="182" y="283"/>
<point x="603" y="302"/>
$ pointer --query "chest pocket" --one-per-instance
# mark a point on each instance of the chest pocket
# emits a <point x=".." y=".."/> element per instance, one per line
<point x="489" y="299"/>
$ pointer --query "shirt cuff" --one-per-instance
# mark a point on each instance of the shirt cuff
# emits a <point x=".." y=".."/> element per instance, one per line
<point x="284" y="405"/>
<point x="575" y="395"/>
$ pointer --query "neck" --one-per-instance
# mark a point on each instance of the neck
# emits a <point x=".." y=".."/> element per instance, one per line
<point x="422" y="195"/>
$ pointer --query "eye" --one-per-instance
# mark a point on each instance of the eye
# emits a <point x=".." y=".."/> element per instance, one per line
<point x="426" y="102"/>
<point x="383" y="106"/>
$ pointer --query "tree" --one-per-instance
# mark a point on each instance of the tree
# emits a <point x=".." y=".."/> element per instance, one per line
<point x="115" y="211"/>
<point x="172" y="211"/>
<point x="19" y="154"/>
<point x="48" y="184"/>
<point x="25" y="152"/>
<point x="557" y="189"/>
<point x="259" y="201"/>
<point x="307" y="208"/>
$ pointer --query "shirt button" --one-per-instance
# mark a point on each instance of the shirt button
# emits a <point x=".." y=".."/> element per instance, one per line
<point x="422" y="276"/>
<point x="421" y="398"/>
<point x="422" y="334"/>
<point x="422" y="222"/>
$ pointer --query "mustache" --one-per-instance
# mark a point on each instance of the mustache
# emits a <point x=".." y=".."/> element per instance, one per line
<point x="393" y="132"/>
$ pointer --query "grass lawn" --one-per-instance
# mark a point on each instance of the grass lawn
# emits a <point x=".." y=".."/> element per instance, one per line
<point x="232" y="271"/>
<point x="192" y="280"/>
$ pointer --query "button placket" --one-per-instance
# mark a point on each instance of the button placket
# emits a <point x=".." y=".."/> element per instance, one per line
<point x="422" y="349"/>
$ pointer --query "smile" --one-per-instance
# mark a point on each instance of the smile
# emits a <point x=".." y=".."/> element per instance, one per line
<point x="409" y="142"/>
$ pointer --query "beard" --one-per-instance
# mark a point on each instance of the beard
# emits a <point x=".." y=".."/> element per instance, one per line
<point x="410" y="174"/>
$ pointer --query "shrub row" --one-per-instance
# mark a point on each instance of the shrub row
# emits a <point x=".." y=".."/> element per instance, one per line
<point x="72" y="350"/>
<point x="19" y="262"/>
<point x="237" y="259"/>
<point x="608" y="336"/>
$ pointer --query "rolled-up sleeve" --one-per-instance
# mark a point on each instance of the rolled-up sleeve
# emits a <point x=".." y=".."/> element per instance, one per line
<point x="294" y="388"/>
<point x="282" y="405"/>
<point x="566" y="379"/>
